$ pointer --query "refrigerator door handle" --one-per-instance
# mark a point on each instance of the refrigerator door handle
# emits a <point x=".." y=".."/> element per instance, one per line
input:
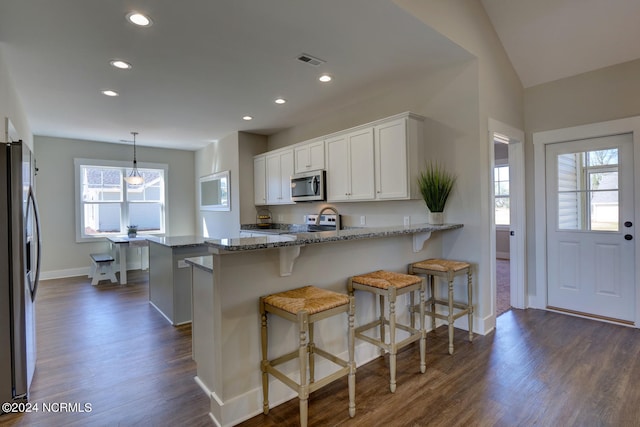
<point x="36" y="218"/>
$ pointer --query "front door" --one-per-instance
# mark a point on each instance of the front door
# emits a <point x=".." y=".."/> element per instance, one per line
<point x="590" y="248"/>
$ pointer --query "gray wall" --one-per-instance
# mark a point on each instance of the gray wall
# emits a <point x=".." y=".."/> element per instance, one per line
<point x="234" y="153"/>
<point x="606" y="94"/>
<point x="62" y="256"/>
<point x="458" y="101"/>
<point x="11" y="107"/>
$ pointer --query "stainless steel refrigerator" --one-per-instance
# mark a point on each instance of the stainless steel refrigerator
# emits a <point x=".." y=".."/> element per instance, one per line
<point x="19" y="270"/>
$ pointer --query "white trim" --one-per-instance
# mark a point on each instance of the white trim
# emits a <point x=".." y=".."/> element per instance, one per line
<point x="517" y="240"/>
<point x="61" y="274"/>
<point x="593" y="130"/>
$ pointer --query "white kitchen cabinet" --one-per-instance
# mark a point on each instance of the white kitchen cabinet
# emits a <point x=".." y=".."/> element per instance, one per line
<point x="391" y="161"/>
<point x="279" y="168"/>
<point x="309" y="156"/>
<point x="380" y="160"/>
<point x="260" y="180"/>
<point x="350" y="166"/>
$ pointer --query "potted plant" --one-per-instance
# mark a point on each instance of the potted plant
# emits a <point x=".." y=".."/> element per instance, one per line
<point x="132" y="230"/>
<point x="435" y="185"/>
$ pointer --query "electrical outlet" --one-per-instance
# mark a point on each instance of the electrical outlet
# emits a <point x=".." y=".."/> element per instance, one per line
<point x="407" y="221"/>
<point x="362" y="220"/>
<point x="280" y="217"/>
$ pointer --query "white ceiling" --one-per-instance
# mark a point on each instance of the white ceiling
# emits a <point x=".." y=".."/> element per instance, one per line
<point x="548" y="40"/>
<point x="203" y="64"/>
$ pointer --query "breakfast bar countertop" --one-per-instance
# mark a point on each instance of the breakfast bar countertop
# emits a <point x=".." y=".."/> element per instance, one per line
<point x="178" y="241"/>
<point x="234" y="244"/>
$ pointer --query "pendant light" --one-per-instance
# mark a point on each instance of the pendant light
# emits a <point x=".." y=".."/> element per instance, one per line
<point x="134" y="177"/>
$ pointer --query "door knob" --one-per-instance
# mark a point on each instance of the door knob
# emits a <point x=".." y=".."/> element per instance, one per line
<point x="512" y="233"/>
<point x="628" y="224"/>
<point x="628" y="237"/>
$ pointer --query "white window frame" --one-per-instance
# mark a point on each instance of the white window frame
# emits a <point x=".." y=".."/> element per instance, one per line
<point x="126" y="167"/>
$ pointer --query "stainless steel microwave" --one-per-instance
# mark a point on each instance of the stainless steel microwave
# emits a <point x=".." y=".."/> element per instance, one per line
<point x="308" y="186"/>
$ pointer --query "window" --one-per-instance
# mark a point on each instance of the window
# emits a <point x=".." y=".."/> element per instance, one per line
<point x="588" y="190"/>
<point x="501" y="184"/>
<point x="106" y="204"/>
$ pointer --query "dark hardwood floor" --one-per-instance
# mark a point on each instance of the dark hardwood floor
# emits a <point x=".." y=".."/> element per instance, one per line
<point x="108" y="347"/>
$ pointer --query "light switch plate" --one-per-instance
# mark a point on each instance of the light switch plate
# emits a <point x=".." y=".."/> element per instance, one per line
<point x="407" y="221"/>
<point x="363" y="220"/>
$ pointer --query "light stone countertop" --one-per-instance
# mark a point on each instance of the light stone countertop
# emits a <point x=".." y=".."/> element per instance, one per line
<point x="178" y="241"/>
<point x="234" y="244"/>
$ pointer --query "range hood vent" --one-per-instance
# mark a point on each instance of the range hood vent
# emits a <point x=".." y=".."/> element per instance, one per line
<point x="311" y="60"/>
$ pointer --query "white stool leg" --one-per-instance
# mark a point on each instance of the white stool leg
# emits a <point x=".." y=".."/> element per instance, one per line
<point x="95" y="274"/>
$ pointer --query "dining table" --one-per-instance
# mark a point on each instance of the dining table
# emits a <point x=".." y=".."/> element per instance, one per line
<point x="120" y="244"/>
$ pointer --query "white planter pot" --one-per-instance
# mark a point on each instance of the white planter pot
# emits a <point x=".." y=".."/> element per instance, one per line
<point x="436" y="218"/>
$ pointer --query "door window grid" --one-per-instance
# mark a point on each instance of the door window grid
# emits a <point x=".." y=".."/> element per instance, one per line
<point x="588" y="191"/>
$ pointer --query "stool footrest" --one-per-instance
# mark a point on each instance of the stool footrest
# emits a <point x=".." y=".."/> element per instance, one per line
<point x="271" y="369"/>
<point x="458" y="305"/>
<point x="416" y="334"/>
<point x="464" y="311"/>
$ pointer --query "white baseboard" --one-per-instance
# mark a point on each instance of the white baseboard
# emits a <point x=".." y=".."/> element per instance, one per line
<point x="249" y="404"/>
<point x="61" y="274"/>
<point x="81" y="271"/>
<point x="160" y="311"/>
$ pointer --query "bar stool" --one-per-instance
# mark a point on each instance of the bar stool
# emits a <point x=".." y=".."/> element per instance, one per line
<point x="305" y="306"/>
<point x="449" y="270"/>
<point x="391" y="285"/>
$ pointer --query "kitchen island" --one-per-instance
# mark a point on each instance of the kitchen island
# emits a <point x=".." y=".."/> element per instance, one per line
<point x="170" y="276"/>
<point x="228" y="283"/>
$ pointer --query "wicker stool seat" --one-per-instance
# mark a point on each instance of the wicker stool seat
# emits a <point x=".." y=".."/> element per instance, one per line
<point x="447" y="269"/>
<point x="305" y="306"/>
<point x="391" y="285"/>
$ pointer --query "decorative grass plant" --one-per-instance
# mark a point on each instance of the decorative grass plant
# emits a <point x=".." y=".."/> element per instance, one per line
<point x="435" y="185"/>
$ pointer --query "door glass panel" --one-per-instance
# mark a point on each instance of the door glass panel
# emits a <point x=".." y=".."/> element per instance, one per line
<point x="604" y="211"/>
<point x="588" y="191"/>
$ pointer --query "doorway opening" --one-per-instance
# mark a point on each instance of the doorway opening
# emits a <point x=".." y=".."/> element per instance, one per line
<point x="507" y="217"/>
<point x="502" y="217"/>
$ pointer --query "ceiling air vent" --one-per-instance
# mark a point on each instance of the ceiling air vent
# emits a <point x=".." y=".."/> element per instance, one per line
<point x="311" y="60"/>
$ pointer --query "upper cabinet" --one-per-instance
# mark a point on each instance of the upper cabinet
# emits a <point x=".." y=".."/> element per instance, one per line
<point x="309" y="156"/>
<point x="391" y="162"/>
<point x="260" y="180"/>
<point x="279" y="168"/>
<point x="374" y="161"/>
<point x="350" y="164"/>
<point x="377" y="161"/>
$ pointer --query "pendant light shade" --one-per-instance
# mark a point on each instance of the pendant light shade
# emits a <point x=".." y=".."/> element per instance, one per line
<point x="134" y="177"/>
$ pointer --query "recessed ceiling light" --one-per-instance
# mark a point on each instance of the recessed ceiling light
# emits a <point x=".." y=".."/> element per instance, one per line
<point x="110" y="92"/>
<point x="123" y="65"/>
<point x="247" y="118"/>
<point x="325" y="78"/>
<point x="280" y="101"/>
<point x="139" y="19"/>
